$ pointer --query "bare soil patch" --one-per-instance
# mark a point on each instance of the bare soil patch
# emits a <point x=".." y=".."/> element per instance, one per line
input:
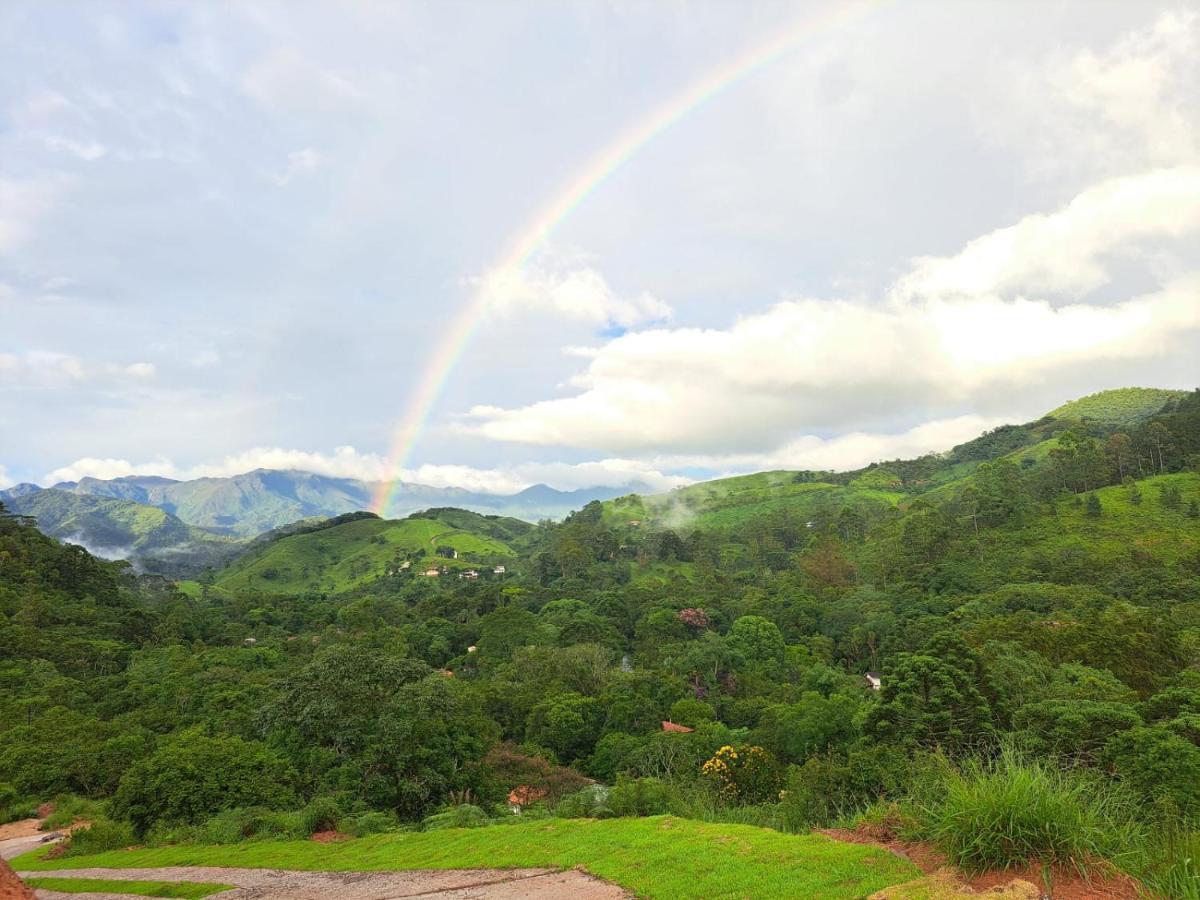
<point x="1058" y="883"/>
<point x="11" y="887"/>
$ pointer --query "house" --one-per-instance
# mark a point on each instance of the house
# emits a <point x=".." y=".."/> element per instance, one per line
<point x="499" y="570"/>
<point x="431" y="573"/>
<point x="470" y="575"/>
<point x="250" y="642"/>
<point x="875" y="680"/>
<point x="678" y="729"/>
<point x="404" y="566"/>
<point x="524" y="796"/>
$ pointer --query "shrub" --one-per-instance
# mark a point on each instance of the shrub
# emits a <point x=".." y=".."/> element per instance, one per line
<point x="841" y="783"/>
<point x="612" y="751"/>
<point x="1008" y="811"/>
<point x="192" y="776"/>
<point x="67" y="809"/>
<point x="1159" y="765"/>
<point x="744" y="774"/>
<point x="465" y="815"/>
<point x="321" y="814"/>
<point x="589" y="803"/>
<point x="100" y="836"/>
<point x="639" y="797"/>
<point x="367" y="823"/>
<point x="508" y="768"/>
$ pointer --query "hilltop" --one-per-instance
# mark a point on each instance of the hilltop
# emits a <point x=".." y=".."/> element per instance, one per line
<point x="341" y="554"/>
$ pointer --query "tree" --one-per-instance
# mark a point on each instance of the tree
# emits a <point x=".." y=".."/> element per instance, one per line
<point x="758" y="641"/>
<point x="336" y="700"/>
<point x="193" y="776"/>
<point x="926" y="702"/>
<point x="1092" y="508"/>
<point x="431" y="735"/>
<point x="567" y="723"/>
<point x="1119" y="449"/>
<point x="1159" y="765"/>
<point x="1076" y="729"/>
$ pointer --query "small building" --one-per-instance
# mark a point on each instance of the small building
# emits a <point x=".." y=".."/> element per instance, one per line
<point x="404" y="566"/>
<point x="469" y="575"/>
<point x="499" y="570"/>
<point x="874" y="680"/>
<point x="250" y="642"/>
<point x="431" y="573"/>
<point x="678" y="729"/>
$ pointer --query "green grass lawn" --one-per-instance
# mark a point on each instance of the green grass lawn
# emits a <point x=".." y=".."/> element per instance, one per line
<point x="187" y="890"/>
<point x="660" y="857"/>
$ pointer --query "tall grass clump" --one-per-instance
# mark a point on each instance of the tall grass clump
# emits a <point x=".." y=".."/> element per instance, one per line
<point x="1010" y="810"/>
<point x="1170" y="862"/>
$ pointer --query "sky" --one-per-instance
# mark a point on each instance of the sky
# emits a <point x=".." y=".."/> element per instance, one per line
<point x="282" y="235"/>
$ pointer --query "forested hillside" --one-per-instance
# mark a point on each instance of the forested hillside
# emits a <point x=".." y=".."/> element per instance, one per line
<point x="1031" y="598"/>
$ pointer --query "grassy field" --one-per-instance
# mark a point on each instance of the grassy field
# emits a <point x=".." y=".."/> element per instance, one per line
<point x="1122" y="406"/>
<point x="660" y="857"/>
<point x="346" y="556"/>
<point x="731" y="502"/>
<point x="183" y="890"/>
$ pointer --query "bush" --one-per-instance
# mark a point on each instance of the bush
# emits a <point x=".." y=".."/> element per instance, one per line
<point x="321" y="814"/>
<point x="744" y="774"/>
<point x="842" y="783"/>
<point x="67" y="809"/>
<point x="100" y="836"/>
<point x="1008" y="811"/>
<point x="465" y="815"/>
<point x="191" y="776"/>
<point x="1159" y="765"/>
<point x="367" y="823"/>
<point x="639" y="797"/>
<point x="589" y="803"/>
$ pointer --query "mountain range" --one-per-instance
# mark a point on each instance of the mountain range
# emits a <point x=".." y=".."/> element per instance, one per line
<point x="177" y="528"/>
<point x="171" y="526"/>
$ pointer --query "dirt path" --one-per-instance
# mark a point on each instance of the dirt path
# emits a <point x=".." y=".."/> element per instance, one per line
<point x="279" y="884"/>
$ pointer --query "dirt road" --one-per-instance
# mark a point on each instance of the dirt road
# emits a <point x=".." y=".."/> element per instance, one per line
<point x="278" y="884"/>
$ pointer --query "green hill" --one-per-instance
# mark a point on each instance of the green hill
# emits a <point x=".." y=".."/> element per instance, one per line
<point x="1121" y="406"/>
<point x="345" y="555"/>
<point x="122" y="529"/>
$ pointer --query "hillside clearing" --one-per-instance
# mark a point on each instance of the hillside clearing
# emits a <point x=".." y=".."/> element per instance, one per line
<point x="660" y="857"/>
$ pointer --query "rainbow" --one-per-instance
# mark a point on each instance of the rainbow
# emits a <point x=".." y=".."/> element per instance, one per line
<point x="522" y="248"/>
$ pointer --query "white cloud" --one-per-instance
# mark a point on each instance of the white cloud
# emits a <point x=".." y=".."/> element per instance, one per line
<point x="577" y="292"/>
<point x="286" y="80"/>
<point x="299" y="162"/>
<point x="40" y="367"/>
<point x="347" y="462"/>
<point x="1132" y="105"/>
<point x="44" y="368"/>
<point x="5" y="481"/>
<point x="847" y="451"/>
<point x="93" y="467"/>
<point x="948" y="336"/>
<point x="23" y="204"/>
<point x="1064" y="251"/>
<point x="563" y="476"/>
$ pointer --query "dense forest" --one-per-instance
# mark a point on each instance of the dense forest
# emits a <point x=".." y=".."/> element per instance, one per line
<point x="1031" y="598"/>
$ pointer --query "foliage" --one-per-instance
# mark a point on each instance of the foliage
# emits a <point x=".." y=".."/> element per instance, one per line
<point x="192" y="775"/>
<point x="1004" y="812"/>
